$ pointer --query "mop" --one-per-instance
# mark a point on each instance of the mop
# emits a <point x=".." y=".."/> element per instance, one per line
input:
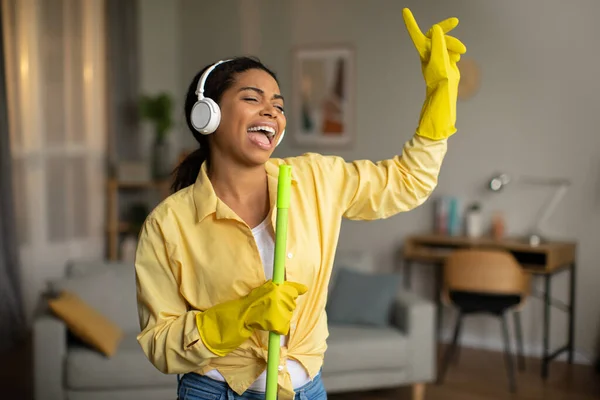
<point x="283" y="204"/>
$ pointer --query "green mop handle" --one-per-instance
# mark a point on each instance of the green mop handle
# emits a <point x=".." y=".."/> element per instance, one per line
<point x="283" y="204"/>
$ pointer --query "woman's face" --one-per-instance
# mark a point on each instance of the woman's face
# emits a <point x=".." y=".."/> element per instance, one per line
<point x="252" y="119"/>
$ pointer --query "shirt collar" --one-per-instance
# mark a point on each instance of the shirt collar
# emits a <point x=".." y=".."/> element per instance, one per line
<point x="207" y="202"/>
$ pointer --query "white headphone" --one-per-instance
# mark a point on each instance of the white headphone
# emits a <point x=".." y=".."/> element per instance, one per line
<point x="206" y="114"/>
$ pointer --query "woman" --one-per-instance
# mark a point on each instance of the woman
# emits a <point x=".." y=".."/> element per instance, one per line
<point x="205" y="254"/>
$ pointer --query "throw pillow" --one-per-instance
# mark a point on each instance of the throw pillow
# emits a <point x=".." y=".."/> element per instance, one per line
<point x="360" y="298"/>
<point x="86" y="323"/>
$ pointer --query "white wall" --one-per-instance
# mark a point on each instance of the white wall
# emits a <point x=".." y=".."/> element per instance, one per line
<point x="160" y="59"/>
<point x="209" y="31"/>
<point x="535" y="113"/>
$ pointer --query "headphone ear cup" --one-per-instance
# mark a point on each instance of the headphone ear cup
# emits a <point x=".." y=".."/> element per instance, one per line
<point x="205" y="116"/>
<point x="280" y="138"/>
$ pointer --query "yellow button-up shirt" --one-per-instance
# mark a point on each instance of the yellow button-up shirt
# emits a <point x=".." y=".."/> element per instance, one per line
<point x="194" y="252"/>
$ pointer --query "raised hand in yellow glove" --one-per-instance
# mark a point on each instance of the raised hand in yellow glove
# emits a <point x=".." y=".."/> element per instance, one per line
<point x="439" y="54"/>
<point x="269" y="307"/>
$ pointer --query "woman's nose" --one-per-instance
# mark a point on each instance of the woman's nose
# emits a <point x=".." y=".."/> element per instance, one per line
<point x="268" y="111"/>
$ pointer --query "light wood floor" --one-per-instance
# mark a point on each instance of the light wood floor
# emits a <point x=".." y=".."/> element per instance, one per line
<point x="479" y="375"/>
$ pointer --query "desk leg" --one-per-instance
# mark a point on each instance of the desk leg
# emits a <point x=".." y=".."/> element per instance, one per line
<point x="573" y="277"/>
<point x="407" y="268"/>
<point x="545" y="355"/>
<point x="439" y="276"/>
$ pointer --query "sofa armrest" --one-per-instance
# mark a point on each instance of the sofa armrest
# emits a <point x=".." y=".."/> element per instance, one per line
<point x="415" y="316"/>
<point x="49" y="353"/>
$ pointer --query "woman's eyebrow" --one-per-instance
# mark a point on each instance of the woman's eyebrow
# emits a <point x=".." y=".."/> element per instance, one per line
<point x="260" y="91"/>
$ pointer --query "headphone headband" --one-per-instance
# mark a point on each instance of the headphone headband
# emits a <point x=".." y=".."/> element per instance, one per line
<point x="204" y="77"/>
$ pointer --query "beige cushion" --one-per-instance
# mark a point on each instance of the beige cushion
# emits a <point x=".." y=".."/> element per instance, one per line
<point x="361" y="348"/>
<point x="86" y="323"/>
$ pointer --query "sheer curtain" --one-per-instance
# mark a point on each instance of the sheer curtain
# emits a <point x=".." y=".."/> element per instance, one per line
<point x="12" y="322"/>
<point x="56" y="88"/>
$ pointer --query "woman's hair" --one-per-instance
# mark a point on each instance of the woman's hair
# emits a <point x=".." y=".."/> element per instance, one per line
<point x="219" y="80"/>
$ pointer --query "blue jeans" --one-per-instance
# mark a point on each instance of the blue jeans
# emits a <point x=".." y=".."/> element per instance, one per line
<point x="197" y="387"/>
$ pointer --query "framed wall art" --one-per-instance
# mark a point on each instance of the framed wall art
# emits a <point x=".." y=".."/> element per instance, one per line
<point x="323" y="94"/>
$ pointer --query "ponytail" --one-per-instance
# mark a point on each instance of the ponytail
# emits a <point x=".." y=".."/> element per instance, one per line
<point x="187" y="171"/>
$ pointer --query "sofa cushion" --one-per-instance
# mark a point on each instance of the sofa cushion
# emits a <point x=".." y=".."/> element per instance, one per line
<point x="362" y="298"/>
<point x="110" y="291"/>
<point x="128" y="368"/>
<point x="360" y="348"/>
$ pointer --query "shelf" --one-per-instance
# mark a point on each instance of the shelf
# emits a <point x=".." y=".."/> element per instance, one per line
<point x="115" y="227"/>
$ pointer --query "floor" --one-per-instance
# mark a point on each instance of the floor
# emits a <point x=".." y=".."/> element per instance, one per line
<point x="478" y="375"/>
<point x="15" y="373"/>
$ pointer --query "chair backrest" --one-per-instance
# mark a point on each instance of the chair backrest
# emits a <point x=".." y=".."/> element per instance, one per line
<point x="485" y="271"/>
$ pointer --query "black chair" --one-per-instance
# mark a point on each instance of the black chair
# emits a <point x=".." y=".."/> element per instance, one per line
<point x="486" y="282"/>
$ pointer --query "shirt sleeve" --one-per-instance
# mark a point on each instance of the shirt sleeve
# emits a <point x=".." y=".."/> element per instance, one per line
<point x="169" y="335"/>
<point x="367" y="190"/>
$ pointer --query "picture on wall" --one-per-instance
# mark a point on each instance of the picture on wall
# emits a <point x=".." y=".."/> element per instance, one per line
<point x="323" y="96"/>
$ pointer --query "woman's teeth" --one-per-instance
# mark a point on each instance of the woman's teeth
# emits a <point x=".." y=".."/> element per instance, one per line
<point x="267" y="130"/>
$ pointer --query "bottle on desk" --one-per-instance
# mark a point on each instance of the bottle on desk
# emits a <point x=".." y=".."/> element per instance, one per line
<point x="441" y="216"/>
<point x="447" y="216"/>
<point x="454" y="222"/>
<point x="498" y="226"/>
<point x="474" y="221"/>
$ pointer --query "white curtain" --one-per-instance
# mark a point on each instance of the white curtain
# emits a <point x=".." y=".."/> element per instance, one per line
<point x="12" y="322"/>
<point x="55" y="66"/>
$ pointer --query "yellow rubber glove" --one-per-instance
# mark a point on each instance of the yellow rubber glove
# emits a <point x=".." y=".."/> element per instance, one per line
<point x="269" y="307"/>
<point x="439" y="54"/>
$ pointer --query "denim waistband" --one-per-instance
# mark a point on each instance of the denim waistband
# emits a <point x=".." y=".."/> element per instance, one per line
<point x="218" y="387"/>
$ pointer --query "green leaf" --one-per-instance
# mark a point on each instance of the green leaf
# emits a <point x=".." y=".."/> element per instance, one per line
<point x="158" y="110"/>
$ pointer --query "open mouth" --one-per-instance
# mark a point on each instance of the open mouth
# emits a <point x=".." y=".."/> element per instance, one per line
<point x="262" y="134"/>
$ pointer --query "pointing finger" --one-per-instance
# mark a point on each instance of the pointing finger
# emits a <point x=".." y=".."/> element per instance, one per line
<point x="419" y="40"/>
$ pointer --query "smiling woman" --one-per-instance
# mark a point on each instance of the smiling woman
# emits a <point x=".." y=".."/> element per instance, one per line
<point x="204" y="261"/>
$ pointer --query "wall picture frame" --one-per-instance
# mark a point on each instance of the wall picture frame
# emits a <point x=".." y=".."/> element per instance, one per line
<point x="323" y="96"/>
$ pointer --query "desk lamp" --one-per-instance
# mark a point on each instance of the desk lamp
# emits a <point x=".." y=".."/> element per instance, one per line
<point x="498" y="182"/>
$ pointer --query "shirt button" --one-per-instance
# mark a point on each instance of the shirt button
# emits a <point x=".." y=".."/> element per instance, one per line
<point x="290" y="255"/>
<point x="280" y="368"/>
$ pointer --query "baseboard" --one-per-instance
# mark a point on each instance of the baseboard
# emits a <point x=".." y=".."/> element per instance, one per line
<point x="477" y="342"/>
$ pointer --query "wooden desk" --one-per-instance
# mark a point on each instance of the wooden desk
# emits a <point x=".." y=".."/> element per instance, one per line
<point x="545" y="260"/>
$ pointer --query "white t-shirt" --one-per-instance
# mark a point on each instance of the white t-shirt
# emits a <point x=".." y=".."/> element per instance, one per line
<point x="263" y="235"/>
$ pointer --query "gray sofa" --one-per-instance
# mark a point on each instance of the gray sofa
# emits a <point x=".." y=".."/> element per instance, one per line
<point x="358" y="357"/>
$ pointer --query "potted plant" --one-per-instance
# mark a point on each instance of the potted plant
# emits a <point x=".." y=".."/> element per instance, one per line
<point x="158" y="110"/>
